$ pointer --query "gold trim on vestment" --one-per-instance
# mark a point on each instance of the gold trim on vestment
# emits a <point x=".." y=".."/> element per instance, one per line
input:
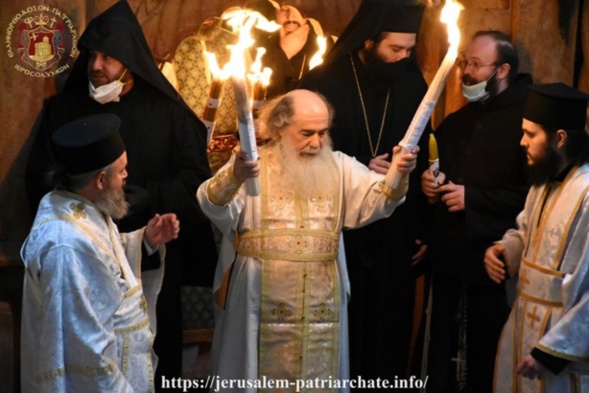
<point x="295" y="245"/>
<point x="300" y="288"/>
<point x="132" y="291"/>
<point x="133" y="328"/>
<point x="545" y="216"/>
<point x="223" y="187"/>
<point x="77" y="369"/>
<point x="565" y="235"/>
<point x="561" y="354"/>
<point x="538" y="300"/>
<point x="555" y="273"/>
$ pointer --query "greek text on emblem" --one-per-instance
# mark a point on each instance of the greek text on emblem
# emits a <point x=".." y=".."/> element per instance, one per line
<point x="41" y="36"/>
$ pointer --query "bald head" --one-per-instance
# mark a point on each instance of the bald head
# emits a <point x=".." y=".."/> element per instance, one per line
<point x="296" y="105"/>
<point x="308" y="104"/>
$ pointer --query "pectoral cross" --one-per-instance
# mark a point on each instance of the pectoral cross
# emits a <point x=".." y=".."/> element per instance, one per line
<point x="533" y="317"/>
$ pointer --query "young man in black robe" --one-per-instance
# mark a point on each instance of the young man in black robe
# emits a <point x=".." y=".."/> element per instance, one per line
<point x="166" y="148"/>
<point x="375" y="86"/>
<point x="481" y="188"/>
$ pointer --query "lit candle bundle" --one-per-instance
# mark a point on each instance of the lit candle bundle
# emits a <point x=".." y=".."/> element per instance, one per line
<point x="215" y="95"/>
<point x="241" y="22"/>
<point x="210" y="111"/>
<point x="449" y="16"/>
<point x="260" y="79"/>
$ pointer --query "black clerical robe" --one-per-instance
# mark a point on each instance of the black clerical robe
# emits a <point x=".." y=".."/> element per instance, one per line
<point x="379" y="255"/>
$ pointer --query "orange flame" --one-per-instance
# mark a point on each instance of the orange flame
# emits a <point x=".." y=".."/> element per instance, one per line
<point x="317" y="58"/>
<point x="241" y="22"/>
<point x="449" y="16"/>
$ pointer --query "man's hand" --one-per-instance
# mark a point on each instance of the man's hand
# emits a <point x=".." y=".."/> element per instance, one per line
<point x="292" y="41"/>
<point x="530" y="368"/>
<point x="493" y="265"/>
<point x="418" y="256"/>
<point x="243" y="168"/>
<point x="430" y="185"/>
<point x="379" y="164"/>
<point x="406" y="161"/>
<point x="161" y="229"/>
<point x="453" y="196"/>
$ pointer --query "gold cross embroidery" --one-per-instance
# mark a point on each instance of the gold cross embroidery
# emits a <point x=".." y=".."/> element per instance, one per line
<point x="78" y="209"/>
<point x="523" y="277"/>
<point x="323" y="312"/>
<point x="282" y="311"/>
<point x="533" y="317"/>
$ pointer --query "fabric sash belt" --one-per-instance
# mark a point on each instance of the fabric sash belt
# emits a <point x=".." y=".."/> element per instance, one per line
<point x="541" y="284"/>
<point x="295" y="245"/>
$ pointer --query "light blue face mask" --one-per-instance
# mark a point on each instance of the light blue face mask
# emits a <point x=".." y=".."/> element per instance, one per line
<point x="478" y="91"/>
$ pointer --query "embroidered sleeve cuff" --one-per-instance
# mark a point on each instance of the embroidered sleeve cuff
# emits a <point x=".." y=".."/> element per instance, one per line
<point x="396" y="194"/>
<point x="552" y="363"/>
<point x="223" y="187"/>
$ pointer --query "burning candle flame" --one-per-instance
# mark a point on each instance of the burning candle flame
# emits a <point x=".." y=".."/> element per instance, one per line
<point x="317" y="58"/>
<point x="241" y="22"/>
<point x="449" y="16"/>
<point x="257" y="73"/>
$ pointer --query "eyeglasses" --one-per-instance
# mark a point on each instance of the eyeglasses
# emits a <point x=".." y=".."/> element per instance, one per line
<point x="474" y="65"/>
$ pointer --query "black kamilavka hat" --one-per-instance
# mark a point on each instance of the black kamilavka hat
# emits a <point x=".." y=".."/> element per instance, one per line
<point x="556" y="106"/>
<point x="88" y="143"/>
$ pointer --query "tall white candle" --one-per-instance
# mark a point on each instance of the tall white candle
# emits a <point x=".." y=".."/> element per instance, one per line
<point x="411" y="139"/>
<point x="247" y="132"/>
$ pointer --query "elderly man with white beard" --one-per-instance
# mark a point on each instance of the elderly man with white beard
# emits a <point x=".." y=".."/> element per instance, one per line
<point x="282" y="301"/>
<point x="88" y="317"/>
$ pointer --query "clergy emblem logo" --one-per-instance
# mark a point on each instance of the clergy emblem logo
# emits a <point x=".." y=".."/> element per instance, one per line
<point x="42" y="41"/>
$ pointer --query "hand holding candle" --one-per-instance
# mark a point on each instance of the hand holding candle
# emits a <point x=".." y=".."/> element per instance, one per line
<point x="450" y="14"/>
<point x="434" y="162"/>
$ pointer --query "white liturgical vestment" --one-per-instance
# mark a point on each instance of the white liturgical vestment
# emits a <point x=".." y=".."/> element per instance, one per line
<point x="550" y="249"/>
<point x="285" y="315"/>
<point x="88" y="317"/>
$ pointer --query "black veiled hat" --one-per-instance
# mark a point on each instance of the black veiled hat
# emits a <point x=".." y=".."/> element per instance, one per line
<point x="556" y="106"/>
<point x="117" y="33"/>
<point x="88" y="143"/>
<point x="374" y="17"/>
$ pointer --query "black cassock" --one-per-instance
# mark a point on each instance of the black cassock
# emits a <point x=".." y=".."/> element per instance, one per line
<point x="378" y="255"/>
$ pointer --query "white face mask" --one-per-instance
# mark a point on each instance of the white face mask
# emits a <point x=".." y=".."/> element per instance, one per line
<point x="478" y="91"/>
<point x="107" y="93"/>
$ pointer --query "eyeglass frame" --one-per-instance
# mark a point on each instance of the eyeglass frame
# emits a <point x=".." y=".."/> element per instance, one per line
<point x="472" y="66"/>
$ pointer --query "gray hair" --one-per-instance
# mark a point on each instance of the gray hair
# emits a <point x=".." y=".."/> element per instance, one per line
<point x="67" y="181"/>
<point x="279" y="113"/>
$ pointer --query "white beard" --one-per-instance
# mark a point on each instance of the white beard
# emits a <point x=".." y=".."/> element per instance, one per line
<point x="310" y="173"/>
<point x="113" y="203"/>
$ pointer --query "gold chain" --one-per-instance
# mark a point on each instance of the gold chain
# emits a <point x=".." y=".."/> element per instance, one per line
<point x="373" y="150"/>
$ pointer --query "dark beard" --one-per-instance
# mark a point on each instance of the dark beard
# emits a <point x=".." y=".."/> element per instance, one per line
<point x="545" y="170"/>
<point x="387" y="72"/>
